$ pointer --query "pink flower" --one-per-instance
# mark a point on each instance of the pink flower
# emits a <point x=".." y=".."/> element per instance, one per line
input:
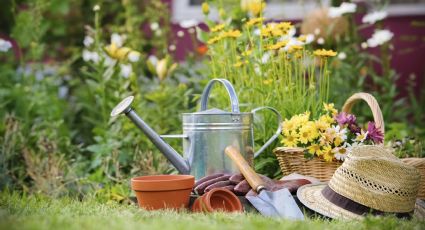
<point x="345" y="118"/>
<point x="374" y="133"/>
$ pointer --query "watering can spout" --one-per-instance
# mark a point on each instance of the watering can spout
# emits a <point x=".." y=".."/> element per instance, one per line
<point x="124" y="107"/>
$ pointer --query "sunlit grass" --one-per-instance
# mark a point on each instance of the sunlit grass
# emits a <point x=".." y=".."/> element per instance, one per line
<point x="36" y="212"/>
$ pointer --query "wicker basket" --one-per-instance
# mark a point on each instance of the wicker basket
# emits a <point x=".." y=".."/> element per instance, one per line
<point x="292" y="159"/>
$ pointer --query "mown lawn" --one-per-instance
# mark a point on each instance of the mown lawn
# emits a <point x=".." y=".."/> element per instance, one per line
<point x="35" y="212"/>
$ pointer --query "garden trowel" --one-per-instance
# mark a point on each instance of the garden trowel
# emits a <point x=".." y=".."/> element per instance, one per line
<point x="276" y="203"/>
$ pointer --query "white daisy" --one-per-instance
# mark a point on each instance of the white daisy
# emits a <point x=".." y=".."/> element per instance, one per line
<point x="5" y="45"/>
<point x="126" y="70"/>
<point x="117" y="39"/>
<point x="154" y="26"/>
<point x="88" y="41"/>
<point x="188" y="23"/>
<point x="342" y="56"/>
<point x="379" y="37"/>
<point x="344" y="8"/>
<point x="133" y="56"/>
<point x="373" y="17"/>
<point x="360" y="137"/>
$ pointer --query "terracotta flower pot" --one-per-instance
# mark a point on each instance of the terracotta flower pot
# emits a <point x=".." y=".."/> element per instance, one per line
<point x="163" y="191"/>
<point x="218" y="199"/>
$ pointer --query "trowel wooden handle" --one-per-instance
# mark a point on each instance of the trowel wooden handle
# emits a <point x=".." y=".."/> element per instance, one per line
<point x="250" y="175"/>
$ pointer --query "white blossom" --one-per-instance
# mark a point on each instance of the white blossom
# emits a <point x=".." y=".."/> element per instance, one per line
<point x="360" y="137"/>
<point x="257" y="69"/>
<point x="63" y="91"/>
<point x="133" y="56"/>
<point x="108" y="61"/>
<point x="265" y="58"/>
<point x="342" y="56"/>
<point x="373" y="17"/>
<point x="309" y="38"/>
<point x="344" y="8"/>
<point x="364" y="45"/>
<point x="96" y="7"/>
<point x="153" y="60"/>
<point x="88" y="41"/>
<point x="90" y="56"/>
<point x="117" y="39"/>
<point x="188" y="23"/>
<point x="320" y="41"/>
<point x="317" y="31"/>
<point x="257" y="32"/>
<point x="291" y="33"/>
<point x="379" y="37"/>
<point x="154" y="26"/>
<point x="5" y="45"/>
<point x="126" y="70"/>
<point x="180" y="33"/>
<point x="172" y="47"/>
<point x="158" y="32"/>
<point x="292" y="42"/>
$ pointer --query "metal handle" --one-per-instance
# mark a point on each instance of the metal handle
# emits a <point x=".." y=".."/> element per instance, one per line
<point x="230" y="90"/>
<point x="250" y="175"/>
<point x="276" y="134"/>
<point x="174" y="136"/>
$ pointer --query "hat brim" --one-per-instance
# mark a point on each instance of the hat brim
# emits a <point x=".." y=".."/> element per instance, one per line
<point x="310" y="195"/>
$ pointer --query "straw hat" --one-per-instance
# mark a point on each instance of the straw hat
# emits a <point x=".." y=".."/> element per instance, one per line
<point x="370" y="181"/>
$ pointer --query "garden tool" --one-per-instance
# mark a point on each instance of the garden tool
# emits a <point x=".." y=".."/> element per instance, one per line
<point x="269" y="201"/>
<point x="206" y="134"/>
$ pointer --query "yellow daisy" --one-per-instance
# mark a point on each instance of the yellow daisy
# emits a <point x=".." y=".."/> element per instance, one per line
<point x="217" y="28"/>
<point x="291" y="139"/>
<point x="315" y="149"/>
<point x="325" y="53"/>
<point x="328" y="155"/>
<point x="330" y="108"/>
<point x="254" y="21"/>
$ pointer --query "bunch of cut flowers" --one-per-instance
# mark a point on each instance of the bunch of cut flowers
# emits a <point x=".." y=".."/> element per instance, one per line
<point x="329" y="137"/>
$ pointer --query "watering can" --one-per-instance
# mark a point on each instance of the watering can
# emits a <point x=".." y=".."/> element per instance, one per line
<point x="206" y="134"/>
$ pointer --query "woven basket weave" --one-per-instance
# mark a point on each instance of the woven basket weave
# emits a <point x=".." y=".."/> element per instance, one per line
<point x="292" y="159"/>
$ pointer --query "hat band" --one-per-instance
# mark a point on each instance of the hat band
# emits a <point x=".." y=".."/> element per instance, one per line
<point x="354" y="207"/>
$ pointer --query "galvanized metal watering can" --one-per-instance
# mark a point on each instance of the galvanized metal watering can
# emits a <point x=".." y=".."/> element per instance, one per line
<point x="206" y="134"/>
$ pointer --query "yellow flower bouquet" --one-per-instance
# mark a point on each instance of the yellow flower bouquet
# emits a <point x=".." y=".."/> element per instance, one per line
<point x="330" y="136"/>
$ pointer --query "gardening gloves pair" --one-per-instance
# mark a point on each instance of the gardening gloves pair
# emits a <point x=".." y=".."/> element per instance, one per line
<point x="240" y="186"/>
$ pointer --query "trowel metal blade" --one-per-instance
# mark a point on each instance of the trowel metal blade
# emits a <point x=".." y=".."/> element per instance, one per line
<point x="278" y="203"/>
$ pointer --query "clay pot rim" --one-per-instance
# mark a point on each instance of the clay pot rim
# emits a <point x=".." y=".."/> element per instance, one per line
<point x="162" y="182"/>
<point x="203" y="202"/>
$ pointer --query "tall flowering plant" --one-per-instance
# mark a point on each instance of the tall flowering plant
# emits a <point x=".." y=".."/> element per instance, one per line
<point x="330" y="136"/>
<point x="267" y="62"/>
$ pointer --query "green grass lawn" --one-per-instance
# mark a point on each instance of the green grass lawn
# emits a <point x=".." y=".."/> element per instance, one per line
<point x="35" y="212"/>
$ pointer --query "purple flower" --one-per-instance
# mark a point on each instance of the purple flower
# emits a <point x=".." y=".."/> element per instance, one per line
<point x="345" y="118"/>
<point x="374" y="133"/>
<point x="354" y="128"/>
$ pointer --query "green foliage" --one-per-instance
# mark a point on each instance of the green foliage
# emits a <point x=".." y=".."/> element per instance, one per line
<point x="56" y="134"/>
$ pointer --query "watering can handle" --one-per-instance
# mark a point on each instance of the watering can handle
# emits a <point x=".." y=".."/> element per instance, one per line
<point x="275" y="135"/>
<point x="230" y="90"/>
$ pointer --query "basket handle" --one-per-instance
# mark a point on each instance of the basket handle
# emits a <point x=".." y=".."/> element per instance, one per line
<point x="373" y="105"/>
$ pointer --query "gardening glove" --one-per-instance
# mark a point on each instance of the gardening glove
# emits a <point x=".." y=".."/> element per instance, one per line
<point x="207" y="183"/>
<point x="235" y="183"/>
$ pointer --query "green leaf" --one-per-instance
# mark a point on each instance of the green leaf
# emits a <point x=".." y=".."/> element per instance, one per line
<point x="201" y="35"/>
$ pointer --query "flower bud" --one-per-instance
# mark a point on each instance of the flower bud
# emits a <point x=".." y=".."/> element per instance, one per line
<point x="161" y="69"/>
<point x="205" y="8"/>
